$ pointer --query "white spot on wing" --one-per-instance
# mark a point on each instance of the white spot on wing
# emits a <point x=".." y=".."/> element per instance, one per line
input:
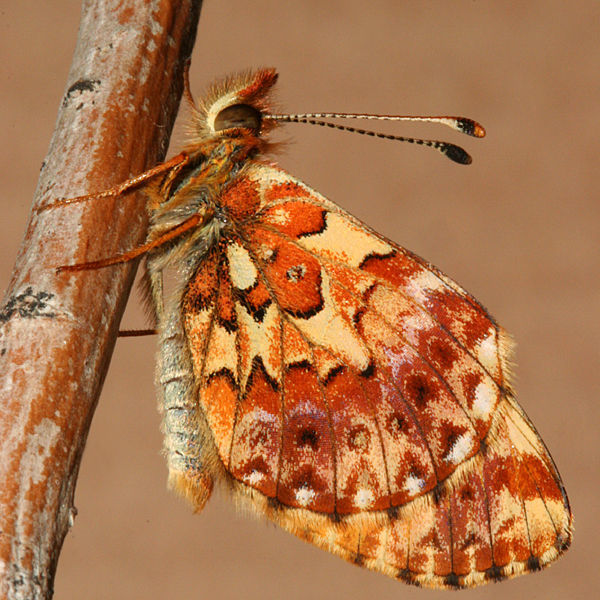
<point x="254" y="478"/>
<point x="304" y="496"/>
<point x="413" y="485"/>
<point x="485" y="399"/>
<point x="363" y="498"/>
<point x="486" y="352"/>
<point x="461" y="447"/>
<point x="241" y="268"/>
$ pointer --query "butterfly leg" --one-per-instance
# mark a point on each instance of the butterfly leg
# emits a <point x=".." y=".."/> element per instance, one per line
<point x="172" y="166"/>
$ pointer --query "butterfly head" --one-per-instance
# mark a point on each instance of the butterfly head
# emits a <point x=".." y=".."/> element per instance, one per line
<point x="232" y="105"/>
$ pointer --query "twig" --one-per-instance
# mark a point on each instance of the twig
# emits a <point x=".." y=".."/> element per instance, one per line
<point x="57" y="331"/>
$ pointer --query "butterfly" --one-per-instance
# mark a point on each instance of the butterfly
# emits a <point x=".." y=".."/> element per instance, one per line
<point x="335" y="382"/>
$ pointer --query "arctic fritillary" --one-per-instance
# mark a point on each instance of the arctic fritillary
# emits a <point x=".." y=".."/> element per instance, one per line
<point x="337" y="383"/>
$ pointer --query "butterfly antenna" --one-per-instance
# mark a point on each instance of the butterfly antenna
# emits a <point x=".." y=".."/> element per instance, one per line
<point x="452" y="151"/>
<point x="461" y="124"/>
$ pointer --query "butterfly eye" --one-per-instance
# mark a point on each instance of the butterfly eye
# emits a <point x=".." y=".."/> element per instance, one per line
<point x="238" y="115"/>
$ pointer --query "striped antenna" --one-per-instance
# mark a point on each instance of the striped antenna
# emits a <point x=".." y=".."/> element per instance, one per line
<point x="452" y="151"/>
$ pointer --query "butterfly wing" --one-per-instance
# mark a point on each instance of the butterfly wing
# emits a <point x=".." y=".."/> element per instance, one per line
<point x="360" y="398"/>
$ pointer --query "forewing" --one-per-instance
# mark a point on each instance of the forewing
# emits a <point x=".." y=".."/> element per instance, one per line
<point x="359" y="397"/>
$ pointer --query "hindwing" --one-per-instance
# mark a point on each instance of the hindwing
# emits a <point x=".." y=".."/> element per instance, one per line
<point x="361" y="399"/>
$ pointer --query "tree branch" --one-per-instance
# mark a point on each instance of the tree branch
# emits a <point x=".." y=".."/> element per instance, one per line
<point x="57" y="331"/>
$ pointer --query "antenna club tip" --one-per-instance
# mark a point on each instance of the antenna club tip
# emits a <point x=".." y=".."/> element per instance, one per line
<point x="455" y="153"/>
<point x="468" y="126"/>
<point x="478" y="131"/>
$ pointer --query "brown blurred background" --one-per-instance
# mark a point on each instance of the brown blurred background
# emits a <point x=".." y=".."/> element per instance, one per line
<point x="518" y="228"/>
